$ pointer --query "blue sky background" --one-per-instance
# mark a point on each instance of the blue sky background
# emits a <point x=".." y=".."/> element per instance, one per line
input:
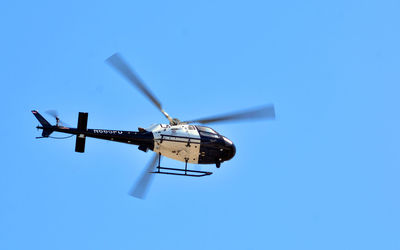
<point x="324" y="175"/>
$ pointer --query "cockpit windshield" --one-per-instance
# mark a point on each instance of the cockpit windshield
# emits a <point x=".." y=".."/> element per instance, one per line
<point x="206" y="129"/>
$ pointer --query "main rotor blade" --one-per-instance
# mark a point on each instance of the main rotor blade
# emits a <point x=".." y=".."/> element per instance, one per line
<point x="141" y="187"/>
<point x="119" y="64"/>
<point x="122" y="67"/>
<point x="265" y="112"/>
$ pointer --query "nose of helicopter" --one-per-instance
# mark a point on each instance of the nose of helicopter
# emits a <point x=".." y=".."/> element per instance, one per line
<point x="231" y="149"/>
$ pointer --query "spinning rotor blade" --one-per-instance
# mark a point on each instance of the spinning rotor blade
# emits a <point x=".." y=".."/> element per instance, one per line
<point x="265" y="112"/>
<point x="141" y="186"/>
<point x="54" y="113"/>
<point x="119" y="64"/>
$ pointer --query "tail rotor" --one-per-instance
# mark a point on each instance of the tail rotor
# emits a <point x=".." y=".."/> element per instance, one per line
<point x="55" y="115"/>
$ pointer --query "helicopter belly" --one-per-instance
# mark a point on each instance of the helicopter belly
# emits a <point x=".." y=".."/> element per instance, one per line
<point x="178" y="148"/>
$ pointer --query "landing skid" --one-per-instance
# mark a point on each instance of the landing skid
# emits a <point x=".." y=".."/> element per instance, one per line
<point x="182" y="172"/>
<point x="179" y="171"/>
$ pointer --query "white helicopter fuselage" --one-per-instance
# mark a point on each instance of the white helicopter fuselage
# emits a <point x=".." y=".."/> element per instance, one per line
<point x="191" y="144"/>
<point x="180" y="142"/>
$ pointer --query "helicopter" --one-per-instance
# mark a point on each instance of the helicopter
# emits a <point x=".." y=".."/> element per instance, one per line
<point x="185" y="141"/>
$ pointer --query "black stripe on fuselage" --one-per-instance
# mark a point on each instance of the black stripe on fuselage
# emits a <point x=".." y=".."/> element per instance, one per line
<point x="130" y="137"/>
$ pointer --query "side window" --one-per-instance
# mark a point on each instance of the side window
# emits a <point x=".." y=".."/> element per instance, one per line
<point x="209" y="135"/>
<point x="206" y="129"/>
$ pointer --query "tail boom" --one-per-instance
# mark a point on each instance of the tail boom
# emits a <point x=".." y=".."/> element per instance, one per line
<point x="143" y="139"/>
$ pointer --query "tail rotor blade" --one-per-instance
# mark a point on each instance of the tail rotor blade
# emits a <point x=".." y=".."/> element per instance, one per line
<point x="139" y="190"/>
<point x="55" y="115"/>
<point x="264" y="112"/>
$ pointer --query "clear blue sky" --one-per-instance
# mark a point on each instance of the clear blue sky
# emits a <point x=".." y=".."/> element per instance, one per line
<point x="324" y="175"/>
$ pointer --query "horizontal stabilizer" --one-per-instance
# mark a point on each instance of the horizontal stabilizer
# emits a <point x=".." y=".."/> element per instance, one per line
<point x="80" y="143"/>
<point x="82" y="127"/>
